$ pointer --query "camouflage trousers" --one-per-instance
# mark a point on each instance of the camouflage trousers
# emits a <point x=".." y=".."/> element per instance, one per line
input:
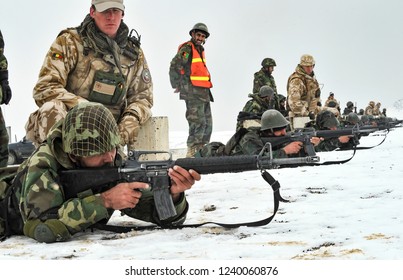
<point x="4" y="139"/>
<point x="198" y="115"/>
<point x="42" y="120"/>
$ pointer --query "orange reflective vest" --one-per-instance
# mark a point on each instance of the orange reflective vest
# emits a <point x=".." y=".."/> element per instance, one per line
<point x="199" y="74"/>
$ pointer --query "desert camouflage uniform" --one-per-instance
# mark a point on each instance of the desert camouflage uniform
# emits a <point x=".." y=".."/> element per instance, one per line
<point x="197" y="99"/>
<point x="369" y="110"/>
<point x="4" y="137"/>
<point x="42" y="198"/>
<point x="377" y="109"/>
<point x="75" y="72"/>
<point x="303" y="93"/>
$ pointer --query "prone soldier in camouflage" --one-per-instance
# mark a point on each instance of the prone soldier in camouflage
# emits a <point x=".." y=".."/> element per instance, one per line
<point x="5" y="97"/>
<point x="87" y="137"/>
<point x="97" y="61"/>
<point x="303" y="92"/>
<point x="264" y="77"/>
<point x="190" y="77"/>
<point x="256" y="106"/>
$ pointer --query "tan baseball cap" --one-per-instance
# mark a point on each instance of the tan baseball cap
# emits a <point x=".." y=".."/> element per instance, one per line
<point x="103" y="5"/>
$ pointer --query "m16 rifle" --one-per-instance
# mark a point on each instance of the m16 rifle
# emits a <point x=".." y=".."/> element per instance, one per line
<point x="155" y="173"/>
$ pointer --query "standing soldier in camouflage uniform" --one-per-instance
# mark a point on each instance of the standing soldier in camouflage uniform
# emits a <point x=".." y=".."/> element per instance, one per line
<point x="97" y="61"/>
<point x="303" y="92"/>
<point x="5" y="96"/>
<point x="369" y="110"/>
<point x="255" y="107"/>
<point x="87" y="137"/>
<point x="190" y="77"/>
<point x="264" y="77"/>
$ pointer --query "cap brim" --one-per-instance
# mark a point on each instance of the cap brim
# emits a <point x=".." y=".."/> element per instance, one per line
<point x="109" y="5"/>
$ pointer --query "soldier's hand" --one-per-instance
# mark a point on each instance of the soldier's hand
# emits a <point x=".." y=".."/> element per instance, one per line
<point x="128" y="128"/>
<point x="293" y="147"/>
<point x="123" y="195"/>
<point x="181" y="180"/>
<point x="344" y="139"/>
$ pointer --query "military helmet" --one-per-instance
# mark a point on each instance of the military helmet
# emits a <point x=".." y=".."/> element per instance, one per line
<point x="372" y="103"/>
<point x="326" y="119"/>
<point x="281" y="97"/>
<point x="273" y="119"/>
<point x="307" y="60"/>
<point x="353" y="118"/>
<point x="89" y="129"/>
<point x="266" y="91"/>
<point x="350" y="104"/>
<point x="268" y="62"/>
<point x="200" y="27"/>
<point x="332" y="104"/>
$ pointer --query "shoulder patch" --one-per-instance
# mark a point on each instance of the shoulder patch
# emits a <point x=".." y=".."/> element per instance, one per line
<point x="185" y="55"/>
<point x="146" y="75"/>
<point x="57" y="56"/>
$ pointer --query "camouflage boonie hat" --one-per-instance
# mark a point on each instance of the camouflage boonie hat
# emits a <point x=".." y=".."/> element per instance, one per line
<point x="89" y="129"/>
<point x="307" y="60"/>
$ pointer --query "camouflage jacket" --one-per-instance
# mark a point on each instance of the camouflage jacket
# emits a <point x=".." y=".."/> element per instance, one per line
<point x="69" y="73"/>
<point x="3" y="60"/>
<point x="263" y="78"/>
<point x="179" y="75"/>
<point x="303" y="93"/>
<point x="257" y="105"/>
<point x="41" y="196"/>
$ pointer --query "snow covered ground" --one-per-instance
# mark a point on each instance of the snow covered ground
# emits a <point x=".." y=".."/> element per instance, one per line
<point x="351" y="211"/>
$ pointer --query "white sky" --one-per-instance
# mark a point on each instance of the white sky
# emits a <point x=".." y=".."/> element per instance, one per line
<point x="357" y="46"/>
<point x="339" y="215"/>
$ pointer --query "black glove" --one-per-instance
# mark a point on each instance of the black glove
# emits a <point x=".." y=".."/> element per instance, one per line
<point x="311" y="115"/>
<point x="5" y="88"/>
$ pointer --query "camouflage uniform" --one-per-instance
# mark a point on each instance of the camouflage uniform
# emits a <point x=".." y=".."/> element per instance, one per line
<point x="255" y="107"/>
<point x="41" y="197"/>
<point x="264" y="78"/>
<point x="5" y="96"/>
<point x="369" y="110"/>
<point x="197" y="99"/>
<point x="82" y="65"/>
<point x="303" y="93"/>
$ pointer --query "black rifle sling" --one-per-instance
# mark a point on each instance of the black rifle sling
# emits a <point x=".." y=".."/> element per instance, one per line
<point x="275" y="185"/>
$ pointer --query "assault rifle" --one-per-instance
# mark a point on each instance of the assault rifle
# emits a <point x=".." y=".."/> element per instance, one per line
<point x="304" y="135"/>
<point x="155" y="173"/>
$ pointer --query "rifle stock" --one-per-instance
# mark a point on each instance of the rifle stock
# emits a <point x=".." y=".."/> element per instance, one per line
<point x="155" y="173"/>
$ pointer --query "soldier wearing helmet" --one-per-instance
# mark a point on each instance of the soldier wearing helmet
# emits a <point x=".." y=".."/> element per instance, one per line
<point x="273" y="124"/>
<point x="369" y="110"/>
<point x="349" y="108"/>
<point x="88" y="137"/>
<point x="264" y="77"/>
<point x="303" y="92"/>
<point x="255" y="107"/>
<point x="326" y="120"/>
<point x="190" y="77"/>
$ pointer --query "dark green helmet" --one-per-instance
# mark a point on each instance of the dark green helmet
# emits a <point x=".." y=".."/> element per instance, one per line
<point x="353" y="118"/>
<point x="268" y="62"/>
<point x="326" y="119"/>
<point x="281" y="97"/>
<point x="266" y="91"/>
<point x="350" y="104"/>
<point x="273" y="119"/>
<point x="200" y="27"/>
<point x="89" y="129"/>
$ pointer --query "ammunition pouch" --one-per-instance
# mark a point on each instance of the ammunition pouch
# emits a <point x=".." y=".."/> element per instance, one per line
<point x="108" y="88"/>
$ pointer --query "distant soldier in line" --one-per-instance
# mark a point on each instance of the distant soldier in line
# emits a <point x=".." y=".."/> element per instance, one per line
<point x="303" y="92"/>
<point x="369" y="110"/>
<point x="384" y="112"/>
<point x="190" y="77"/>
<point x="5" y="97"/>
<point x="256" y="106"/>
<point x="377" y="109"/>
<point x="349" y="108"/>
<point x="332" y="99"/>
<point x="282" y="100"/>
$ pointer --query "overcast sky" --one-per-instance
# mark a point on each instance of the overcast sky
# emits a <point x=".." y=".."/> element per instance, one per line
<point x="357" y="46"/>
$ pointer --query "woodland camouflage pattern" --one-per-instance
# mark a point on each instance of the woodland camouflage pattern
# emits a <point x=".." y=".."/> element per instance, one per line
<point x="42" y="200"/>
<point x="4" y="138"/>
<point x="68" y="77"/>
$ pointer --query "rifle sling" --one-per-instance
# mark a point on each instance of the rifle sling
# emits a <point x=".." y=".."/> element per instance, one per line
<point x="275" y="185"/>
